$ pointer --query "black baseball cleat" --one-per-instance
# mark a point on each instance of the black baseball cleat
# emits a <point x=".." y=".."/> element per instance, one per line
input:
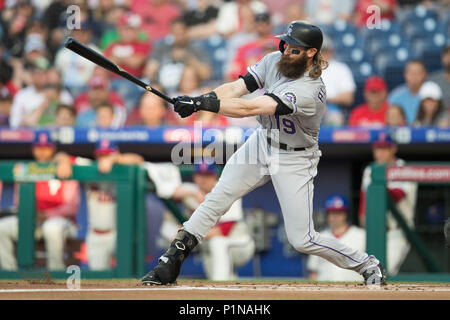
<point x="169" y="264"/>
<point x="374" y="274"/>
<point x="152" y="279"/>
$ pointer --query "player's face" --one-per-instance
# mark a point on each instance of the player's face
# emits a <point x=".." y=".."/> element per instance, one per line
<point x="205" y="182"/>
<point x="384" y="154"/>
<point x="43" y="153"/>
<point x="293" y="62"/>
<point x="336" y="219"/>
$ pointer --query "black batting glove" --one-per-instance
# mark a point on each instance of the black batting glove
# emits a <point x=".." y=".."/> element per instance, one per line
<point x="185" y="105"/>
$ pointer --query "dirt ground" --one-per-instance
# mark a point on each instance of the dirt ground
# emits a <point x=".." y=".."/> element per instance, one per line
<point x="207" y="290"/>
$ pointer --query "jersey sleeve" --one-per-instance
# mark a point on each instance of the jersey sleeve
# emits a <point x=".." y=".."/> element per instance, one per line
<point x="301" y="101"/>
<point x="258" y="71"/>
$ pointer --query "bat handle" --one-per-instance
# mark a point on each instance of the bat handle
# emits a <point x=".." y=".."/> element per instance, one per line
<point x="161" y="95"/>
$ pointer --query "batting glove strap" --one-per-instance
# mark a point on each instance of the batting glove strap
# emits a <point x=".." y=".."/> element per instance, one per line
<point x="207" y="102"/>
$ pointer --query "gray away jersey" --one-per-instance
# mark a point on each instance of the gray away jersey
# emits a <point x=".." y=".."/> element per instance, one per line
<point x="305" y="96"/>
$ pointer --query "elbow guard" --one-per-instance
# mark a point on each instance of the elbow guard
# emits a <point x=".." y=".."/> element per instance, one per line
<point x="250" y="82"/>
<point x="281" y="109"/>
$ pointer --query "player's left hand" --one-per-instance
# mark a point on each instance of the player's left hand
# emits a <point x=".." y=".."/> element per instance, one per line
<point x="185" y="105"/>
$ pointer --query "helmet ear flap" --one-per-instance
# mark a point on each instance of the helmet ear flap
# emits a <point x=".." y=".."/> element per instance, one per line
<point x="282" y="46"/>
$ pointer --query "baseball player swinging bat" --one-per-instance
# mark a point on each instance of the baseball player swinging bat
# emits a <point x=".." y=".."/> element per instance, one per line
<point x="102" y="61"/>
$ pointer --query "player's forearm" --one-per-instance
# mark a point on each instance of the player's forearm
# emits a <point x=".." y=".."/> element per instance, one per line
<point x="233" y="89"/>
<point x="241" y="108"/>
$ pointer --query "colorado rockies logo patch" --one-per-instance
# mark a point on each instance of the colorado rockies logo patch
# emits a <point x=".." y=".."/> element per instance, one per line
<point x="291" y="97"/>
<point x="289" y="30"/>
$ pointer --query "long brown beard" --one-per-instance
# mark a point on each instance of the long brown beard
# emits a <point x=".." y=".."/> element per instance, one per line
<point x="293" y="69"/>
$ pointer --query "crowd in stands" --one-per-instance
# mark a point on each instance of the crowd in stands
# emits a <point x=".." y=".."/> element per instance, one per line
<point x="395" y="71"/>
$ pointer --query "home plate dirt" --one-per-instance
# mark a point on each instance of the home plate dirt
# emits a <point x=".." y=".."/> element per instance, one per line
<point x="201" y="290"/>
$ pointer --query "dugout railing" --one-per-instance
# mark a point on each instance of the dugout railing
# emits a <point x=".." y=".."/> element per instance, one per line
<point x="379" y="203"/>
<point x="131" y="184"/>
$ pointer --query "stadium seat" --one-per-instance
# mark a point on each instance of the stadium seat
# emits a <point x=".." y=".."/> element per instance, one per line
<point x="354" y="55"/>
<point x="386" y="42"/>
<point x="421" y="12"/>
<point x="361" y="70"/>
<point x="387" y="27"/>
<point x="348" y="40"/>
<point x="392" y="58"/>
<point x="340" y="27"/>
<point x="393" y="74"/>
<point x="434" y="42"/>
<point x="423" y="27"/>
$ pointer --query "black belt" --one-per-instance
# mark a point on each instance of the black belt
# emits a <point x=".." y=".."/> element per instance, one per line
<point x="284" y="146"/>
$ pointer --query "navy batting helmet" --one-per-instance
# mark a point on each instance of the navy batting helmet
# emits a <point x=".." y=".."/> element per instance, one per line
<point x="302" y="34"/>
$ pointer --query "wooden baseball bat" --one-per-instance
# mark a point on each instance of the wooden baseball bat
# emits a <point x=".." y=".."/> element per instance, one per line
<point x="102" y="61"/>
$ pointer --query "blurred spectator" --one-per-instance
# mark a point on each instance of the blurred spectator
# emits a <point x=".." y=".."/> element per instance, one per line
<point x="333" y="117"/>
<point x="238" y="16"/>
<point x="98" y="92"/>
<point x="229" y="244"/>
<point x="403" y="193"/>
<point x="336" y="210"/>
<point x="190" y="86"/>
<point x="442" y="77"/>
<point x="7" y="90"/>
<point x="407" y="95"/>
<point x="329" y="11"/>
<point x="102" y="206"/>
<point x="295" y="11"/>
<point x="111" y="21"/>
<point x="65" y="116"/>
<point x="201" y="21"/>
<point x="129" y="53"/>
<point x="156" y="15"/>
<point x="57" y="203"/>
<point x="36" y="104"/>
<point x="76" y="70"/>
<point x="16" y="20"/>
<point x="105" y="115"/>
<point x="250" y="53"/>
<point x="35" y="50"/>
<point x="285" y="11"/>
<point x="387" y="10"/>
<point x="151" y="111"/>
<point x="169" y="59"/>
<point x="338" y="78"/>
<point x="395" y="116"/>
<point x="431" y="108"/>
<point x="51" y="17"/>
<point x="372" y="113"/>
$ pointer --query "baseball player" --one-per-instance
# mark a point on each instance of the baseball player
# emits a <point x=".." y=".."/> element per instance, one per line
<point x="404" y="193"/>
<point x="336" y="208"/>
<point x="102" y="206"/>
<point x="284" y="149"/>
<point x="57" y="204"/>
<point x="229" y="244"/>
